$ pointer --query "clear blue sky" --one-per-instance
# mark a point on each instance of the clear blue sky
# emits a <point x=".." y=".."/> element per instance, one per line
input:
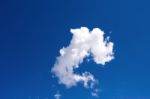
<point x="33" y="31"/>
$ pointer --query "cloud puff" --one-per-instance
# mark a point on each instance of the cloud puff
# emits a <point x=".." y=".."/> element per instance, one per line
<point x="95" y="93"/>
<point x="83" y="44"/>
<point x="57" y="95"/>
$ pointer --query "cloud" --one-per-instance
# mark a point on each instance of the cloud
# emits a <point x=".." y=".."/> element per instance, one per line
<point x="84" y="43"/>
<point x="57" y="95"/>
<point x="95" y="93"/>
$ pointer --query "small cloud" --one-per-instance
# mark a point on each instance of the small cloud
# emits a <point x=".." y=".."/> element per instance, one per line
<point x="57" y="95"/>
<point x="95" y="93"/>
<point x="84" y="43"/>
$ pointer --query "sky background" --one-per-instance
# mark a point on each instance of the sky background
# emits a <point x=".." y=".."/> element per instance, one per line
<point x="33" y="31"/>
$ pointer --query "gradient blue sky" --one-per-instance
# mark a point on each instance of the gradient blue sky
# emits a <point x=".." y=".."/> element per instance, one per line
<point x="33" y="31"/>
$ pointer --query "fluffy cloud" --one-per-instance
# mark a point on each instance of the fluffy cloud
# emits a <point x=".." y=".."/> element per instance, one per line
<point x="83" y="44"/>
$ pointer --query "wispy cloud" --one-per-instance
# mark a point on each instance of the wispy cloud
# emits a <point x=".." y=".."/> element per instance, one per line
<point x="83" y="44"/>
<point x="57" y="95"/>
<point x="95" y="92"/>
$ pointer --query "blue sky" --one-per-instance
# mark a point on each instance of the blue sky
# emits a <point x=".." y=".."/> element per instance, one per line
<point x="33" y="31"/>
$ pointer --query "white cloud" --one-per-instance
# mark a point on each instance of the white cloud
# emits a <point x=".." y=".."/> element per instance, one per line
<point x="57" y="95"/>
<point x="95" y="93"/>
<point x="83" y="44"/>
